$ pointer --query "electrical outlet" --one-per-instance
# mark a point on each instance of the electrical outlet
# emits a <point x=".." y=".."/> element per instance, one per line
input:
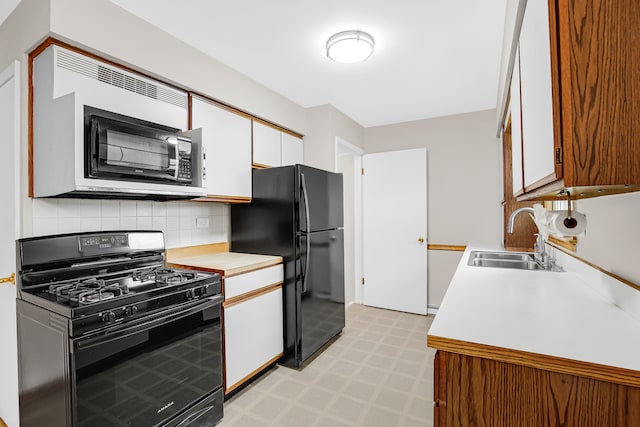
<point x="202" y="222"/>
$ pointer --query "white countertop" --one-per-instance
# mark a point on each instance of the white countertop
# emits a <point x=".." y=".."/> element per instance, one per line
<point x="552" y="314"/>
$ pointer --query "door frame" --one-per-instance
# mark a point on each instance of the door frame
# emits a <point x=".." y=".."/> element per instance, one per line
<point x="10" y="397"/>
<point x="13" y="71"/>
<point x="343" y="147"/>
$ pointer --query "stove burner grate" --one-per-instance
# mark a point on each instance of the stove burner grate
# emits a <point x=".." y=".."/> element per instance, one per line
<point x="88" y="291"/>
<point x="163" y="276"/>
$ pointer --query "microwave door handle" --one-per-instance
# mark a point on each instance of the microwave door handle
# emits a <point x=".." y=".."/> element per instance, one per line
<point x="204" y="166"/>
<point x="95" y="138"/>
<point x="177" y="159"/>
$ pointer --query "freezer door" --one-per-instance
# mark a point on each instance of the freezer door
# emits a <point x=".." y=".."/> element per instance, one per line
<point x="319" y="199"/>
<point x="322" y="289"/>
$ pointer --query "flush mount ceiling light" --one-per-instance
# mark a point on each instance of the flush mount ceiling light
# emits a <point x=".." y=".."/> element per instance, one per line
<point x="349" y="47"/>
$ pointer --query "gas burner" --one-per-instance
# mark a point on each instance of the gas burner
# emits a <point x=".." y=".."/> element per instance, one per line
<point x="87" y="291"/>
<point x="163" y="276"/>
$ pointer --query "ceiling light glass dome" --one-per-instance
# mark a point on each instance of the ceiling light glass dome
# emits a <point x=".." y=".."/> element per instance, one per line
<point x="349" y="47"/>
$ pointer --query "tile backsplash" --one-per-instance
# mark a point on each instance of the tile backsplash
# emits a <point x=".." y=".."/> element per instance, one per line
<point x="183" y="223"/>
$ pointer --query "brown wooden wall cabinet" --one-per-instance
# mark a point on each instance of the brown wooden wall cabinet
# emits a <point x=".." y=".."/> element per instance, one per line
<point x="595" y="87"/>
<point x="524" y="229"/>
<point x="474" y="391"/>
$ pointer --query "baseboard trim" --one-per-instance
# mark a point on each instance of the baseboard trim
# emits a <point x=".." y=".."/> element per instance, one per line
<point x="432" y="309"/>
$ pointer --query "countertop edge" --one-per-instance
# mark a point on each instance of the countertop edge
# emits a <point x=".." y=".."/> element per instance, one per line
<point x="535" y="360"/>
<point x="191" y="264"/>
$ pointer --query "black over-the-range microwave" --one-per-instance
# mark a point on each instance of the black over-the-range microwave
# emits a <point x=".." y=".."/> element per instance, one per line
<point x="119" y="147"/>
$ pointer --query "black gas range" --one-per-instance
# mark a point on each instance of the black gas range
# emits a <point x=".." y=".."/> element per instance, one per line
<point x="108" y="335"/>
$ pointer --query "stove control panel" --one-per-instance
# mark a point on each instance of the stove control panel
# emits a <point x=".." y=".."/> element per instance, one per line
<point x="96" y="244"/>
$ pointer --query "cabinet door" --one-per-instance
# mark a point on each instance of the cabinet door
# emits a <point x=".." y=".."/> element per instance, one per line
<point x="292" y="150"/>
<point x="536" y="95"/>
<point x="266" y="145"/>
<point x="226" y="138"/>
<point x="252" y="336"/>
<point x="440" y="389"/>
<point x="516" y="129"/>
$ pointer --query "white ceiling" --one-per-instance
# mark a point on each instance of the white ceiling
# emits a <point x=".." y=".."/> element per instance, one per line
<point x="432" y="58"/>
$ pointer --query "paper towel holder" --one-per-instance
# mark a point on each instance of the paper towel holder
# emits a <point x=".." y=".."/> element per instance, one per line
<point x="569" y="221"/>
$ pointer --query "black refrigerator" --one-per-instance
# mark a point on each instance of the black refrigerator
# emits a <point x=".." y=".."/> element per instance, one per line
<point x="297" y="213"/>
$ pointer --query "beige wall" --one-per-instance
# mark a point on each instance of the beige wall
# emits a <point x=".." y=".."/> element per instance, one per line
<point x="324" y="124"/>
<point x="612" y="239"/>
<point x="464" y="189"/>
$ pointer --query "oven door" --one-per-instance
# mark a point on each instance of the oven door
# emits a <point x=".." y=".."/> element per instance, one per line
<point x="147" y="372"/>
<point x="125" y="148"/>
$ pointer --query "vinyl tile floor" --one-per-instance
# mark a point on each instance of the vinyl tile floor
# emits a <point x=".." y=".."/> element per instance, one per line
<point x="378" y="373"/>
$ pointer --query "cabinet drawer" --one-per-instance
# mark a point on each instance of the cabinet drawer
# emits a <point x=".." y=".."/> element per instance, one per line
<point x="247" y="282"/>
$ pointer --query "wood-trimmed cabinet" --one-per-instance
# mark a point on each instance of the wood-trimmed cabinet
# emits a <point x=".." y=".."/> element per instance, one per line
<point x="524" y="229"/>
<point x="253" y="324"/>
<point x="579" y="70"/>
<point x="478" y="391"/>
<point x="273" y="147"/>
<point x="226" y="141"/>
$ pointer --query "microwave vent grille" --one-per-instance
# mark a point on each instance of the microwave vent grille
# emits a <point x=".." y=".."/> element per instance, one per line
<point x="94" y="70"/>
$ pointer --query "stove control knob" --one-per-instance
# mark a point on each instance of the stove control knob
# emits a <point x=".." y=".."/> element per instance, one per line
<point x="131" y="310"/>
<point x="190" y="294"/>
<point x="108" y="317"/>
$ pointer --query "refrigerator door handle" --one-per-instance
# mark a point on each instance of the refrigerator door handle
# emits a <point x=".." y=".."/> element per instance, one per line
<point x="308" y="226"/>
<point x="303" y="184"/>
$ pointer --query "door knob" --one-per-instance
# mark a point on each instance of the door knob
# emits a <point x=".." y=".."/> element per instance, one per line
<point x="420" y="240"/>
<point x="11" y="279"/>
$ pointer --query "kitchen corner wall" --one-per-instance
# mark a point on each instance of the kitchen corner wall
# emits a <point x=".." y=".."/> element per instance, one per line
<point x="325" y="123"/>
<point x="183" y="223"/>
<point x="612" y="238"/>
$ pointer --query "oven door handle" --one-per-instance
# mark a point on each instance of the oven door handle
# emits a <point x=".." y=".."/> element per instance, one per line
<point x="158" y="319"/>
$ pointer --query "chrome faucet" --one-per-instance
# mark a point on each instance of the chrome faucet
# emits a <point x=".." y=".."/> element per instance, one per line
<point x="540" y="253"/>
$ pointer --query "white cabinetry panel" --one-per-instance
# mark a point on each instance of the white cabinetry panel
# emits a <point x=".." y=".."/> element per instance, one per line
<point x="535" y="83"/>
<point x="226" y="138"/>
<point x="247" y="282"/>
<point x="516" y="130"/>
<point x="253" y="335"/>
<point x="266" y="145"/>
<point x="292" y="150"/>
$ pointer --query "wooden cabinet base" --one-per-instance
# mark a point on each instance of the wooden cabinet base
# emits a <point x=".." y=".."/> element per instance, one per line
<point x="484" y="392"/>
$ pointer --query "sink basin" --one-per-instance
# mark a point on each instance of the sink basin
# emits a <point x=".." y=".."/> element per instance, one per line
<point x="505" y="263"/>
<point x="517" y="260"/>
<point x="515" y="256"/>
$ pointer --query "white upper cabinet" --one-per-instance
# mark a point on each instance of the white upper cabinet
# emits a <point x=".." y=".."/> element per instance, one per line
<point x="272" y="147"/>
<point x="536" y="94"/>
<point x="266" y="145"/>
<point x="226" y="138"/>
<point x="516" y="131"/>
<point x="292" y="150"/>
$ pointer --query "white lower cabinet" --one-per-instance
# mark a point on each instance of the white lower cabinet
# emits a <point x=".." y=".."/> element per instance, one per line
<point x="253" y="330"/>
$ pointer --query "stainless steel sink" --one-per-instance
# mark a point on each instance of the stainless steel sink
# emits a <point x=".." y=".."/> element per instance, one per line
<point x="516" y="260"/>
<point x="516" y="256"/>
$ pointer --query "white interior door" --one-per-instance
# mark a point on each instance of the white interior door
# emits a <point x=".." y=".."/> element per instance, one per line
<point x="394" y="211"/>
<point x="9" y="123"/>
